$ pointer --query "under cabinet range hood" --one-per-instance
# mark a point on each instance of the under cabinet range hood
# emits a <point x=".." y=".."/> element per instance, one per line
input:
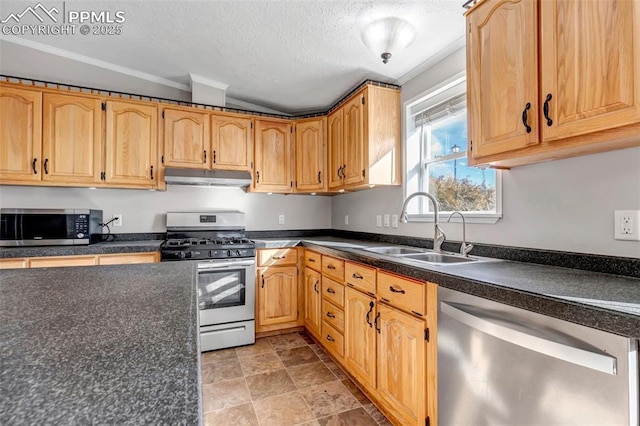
<point x="197" y="177"/>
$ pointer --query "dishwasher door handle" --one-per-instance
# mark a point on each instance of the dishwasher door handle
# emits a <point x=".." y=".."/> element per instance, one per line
<point x="486" y="324"/>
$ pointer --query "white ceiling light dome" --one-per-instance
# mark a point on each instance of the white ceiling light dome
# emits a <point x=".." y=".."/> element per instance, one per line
<point x="388" y="36"/>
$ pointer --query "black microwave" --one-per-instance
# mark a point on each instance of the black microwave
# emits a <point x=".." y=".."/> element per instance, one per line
<point x="49" y="227"/>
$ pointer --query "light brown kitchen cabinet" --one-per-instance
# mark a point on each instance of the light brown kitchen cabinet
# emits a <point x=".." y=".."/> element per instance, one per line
<point x="502" y="77"/>
<point x="312" y="304"/>
<point x="186" y="138"/>
<point x="585" y="58"/>
<point x="128" y="258"/>
<point x="273" y="157"/>
<point x="368" y="152"/>
<point x="401" y="364"/>
<point x="71" y="139"/>
<point x="335" y="146"/>
<point x="60" y="261"/>
<point x="81" y="260"/>
<point x="17" y="263"/>
<point x="360" y="337"/>
<point x="232" y="143"/>
<point x="131" y="144"/>
<point x="20" y="135"/>
<point x="277" y="295"/>
<point x="311" y="154"/>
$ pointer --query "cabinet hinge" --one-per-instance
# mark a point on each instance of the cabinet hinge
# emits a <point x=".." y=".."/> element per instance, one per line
<point x="426" y="334"/>
<point x="162" y="114"/>
<point x="363" y="173"/>
<point x="469" y="27"/>
<point x="291" y="128"/>
<point x="470" y="145"/>
<point x="363" y="100"/>
<point x="252" y="165"/>
<point x="292" y="184"/>
<point x="298" y="314"/>
<point x="104" y="106"/>
<point x="103" y="176"/>
<point x="427" y="421"/>
<point x="252" y="124"/>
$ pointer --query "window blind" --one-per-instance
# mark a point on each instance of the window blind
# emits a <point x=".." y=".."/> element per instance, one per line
<point x="447" y="108"/>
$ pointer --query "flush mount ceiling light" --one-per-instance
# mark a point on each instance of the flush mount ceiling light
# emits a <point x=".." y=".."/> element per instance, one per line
<point x="388" y="36"/>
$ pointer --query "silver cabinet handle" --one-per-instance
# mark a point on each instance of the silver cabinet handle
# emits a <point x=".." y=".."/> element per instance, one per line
<point x="482" y="320"/>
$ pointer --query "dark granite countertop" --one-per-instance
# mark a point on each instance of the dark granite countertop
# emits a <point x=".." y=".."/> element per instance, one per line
<point x="100" y="345"/>
<point x="98" y="248"/>
<point x="603" y="301"/>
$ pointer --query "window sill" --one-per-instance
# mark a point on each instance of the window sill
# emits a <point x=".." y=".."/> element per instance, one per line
<point x="487" y="219"/>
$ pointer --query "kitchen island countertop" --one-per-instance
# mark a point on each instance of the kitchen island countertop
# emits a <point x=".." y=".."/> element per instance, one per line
<point x="100" y="345"/>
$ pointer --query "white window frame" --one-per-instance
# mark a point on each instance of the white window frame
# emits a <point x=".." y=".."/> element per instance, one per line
<point x="471" y="217"/>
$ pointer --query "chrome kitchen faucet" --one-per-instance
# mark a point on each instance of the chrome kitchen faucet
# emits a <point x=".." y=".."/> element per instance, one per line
<point x="438" y="235"/>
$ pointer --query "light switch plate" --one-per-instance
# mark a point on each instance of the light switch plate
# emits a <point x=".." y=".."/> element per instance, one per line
<point x="346" y="219"/>
<point x="386" y="220"/>
<point x="394" y="220"/>
<point x="379" y="221"/>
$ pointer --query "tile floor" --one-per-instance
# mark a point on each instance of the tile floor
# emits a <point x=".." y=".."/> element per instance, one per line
<point x="281" y="380"/>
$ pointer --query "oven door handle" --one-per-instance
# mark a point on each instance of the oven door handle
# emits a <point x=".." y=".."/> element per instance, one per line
<point x="214" y="266"/>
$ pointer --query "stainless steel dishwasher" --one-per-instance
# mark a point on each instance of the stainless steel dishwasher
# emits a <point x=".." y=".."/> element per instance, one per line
<point x="504" y="366"/>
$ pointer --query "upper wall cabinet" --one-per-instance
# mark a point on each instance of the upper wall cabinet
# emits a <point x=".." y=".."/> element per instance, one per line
<point x="364" y="140"/>
<point x="186" y="138"/>
<point x="131" y="138"/>
<point x="586" y="56"/>
<point x="20" y="134"/>
<point x="273" y="157"/>
<point x="311" y="154"/>
<point x="232" y="143"/>
<point x="72" y="139"/>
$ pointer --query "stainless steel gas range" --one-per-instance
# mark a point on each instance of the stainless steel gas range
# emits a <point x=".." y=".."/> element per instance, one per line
<point x="226" y="273"/>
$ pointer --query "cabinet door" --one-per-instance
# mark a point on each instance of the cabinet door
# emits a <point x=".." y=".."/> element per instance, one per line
<point x="502" y="76"/>
<point x="312" y="300"/>
<point x="13" y="263"/>
<point x="186" y="139"/>
<point x="590" y="65"/>
<point x="131" y="143"/>
<point x="71" y="140"/>
<point x="310" y="155"/>
<point x="401" y="364"/>
<point x="360" y="337"/>
<point x="232" y="143"/>
<point x="277" y="295"/>
<point x="335" y="133"/>
<point x="353" y="170"/>
<point x="273" y="157"/>
<point x="20" y="134"/>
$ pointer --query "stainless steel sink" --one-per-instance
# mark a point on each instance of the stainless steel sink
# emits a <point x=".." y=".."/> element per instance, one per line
<point x="395" y="251"/>
<point x="438" y="258"/>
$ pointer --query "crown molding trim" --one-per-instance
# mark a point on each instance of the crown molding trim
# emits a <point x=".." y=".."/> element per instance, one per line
<point x="449" y="49"/>
<point x="95" y="62"/>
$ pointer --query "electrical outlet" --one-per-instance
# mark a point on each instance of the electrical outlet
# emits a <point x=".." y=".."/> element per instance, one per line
<point x="117" y="221"/>
<point x="626" y="225"/>
<point x="394" y="220"/>
<point x="281" y="219"/>
<point x="379" y="221"/>
<point x="346" y="219"/>
<point x="386" y="220"/>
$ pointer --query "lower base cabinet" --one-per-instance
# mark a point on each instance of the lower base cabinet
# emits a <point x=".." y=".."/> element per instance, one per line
<point x="360" y="337"/>
<point x="83" y="260"/>
<point x="278" y="295"/>
<point x="312" y="283"/>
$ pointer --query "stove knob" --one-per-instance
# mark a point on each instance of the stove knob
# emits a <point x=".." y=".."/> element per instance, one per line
<point x="181" y="255"/>
<point x="238" y="253"/>
<point x="188" y="254"/>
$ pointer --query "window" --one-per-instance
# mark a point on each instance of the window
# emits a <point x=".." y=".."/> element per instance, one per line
<point x="436" y="159"/>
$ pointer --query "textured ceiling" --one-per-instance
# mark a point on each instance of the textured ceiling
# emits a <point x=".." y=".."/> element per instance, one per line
<point x="293" y="56"/>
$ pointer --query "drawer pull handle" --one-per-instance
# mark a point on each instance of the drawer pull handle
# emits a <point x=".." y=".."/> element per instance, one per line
<point x="395" y="290"/>
<point x="330" y="290"/>
<point x="545" y="109"/>
<point x="278" y="257"/>
<point x="315" y="286"/>
<point x="369" y="313"/>
<point x="330" y="315"/>
<point x="331" y="339"/>
<point x="330" y="266"/>
<point x="311" y="260"/>
<point x="357" y="276"/>
<point x="524" y="117"/>
<point x="33" y="166"/>
<point x="375" y="322"/>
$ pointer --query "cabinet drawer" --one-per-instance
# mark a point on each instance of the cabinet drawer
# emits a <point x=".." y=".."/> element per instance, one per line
<point x="333" y="267"/>
<point x="121" y="259"/>
<point x="333" y="315"/>
<point x="13" y="263"/>
<point x="313" y="260"/>
<point x="280" y="256"/>
<point x="57" y="261"/>
<point x="332" y="339"/>
<point x="361" y="277"/>
<point x="333" y="291"/>
<point x="402" y="293"/>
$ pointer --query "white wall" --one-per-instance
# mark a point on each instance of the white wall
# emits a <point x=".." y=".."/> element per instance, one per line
<point x="144" y="211"/>
<point x="563" y="205"/>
